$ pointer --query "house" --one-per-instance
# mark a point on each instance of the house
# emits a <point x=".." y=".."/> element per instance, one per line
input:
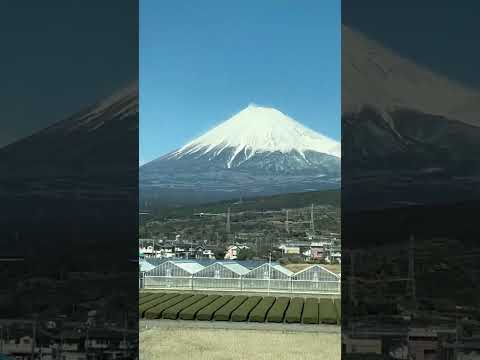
<point x="204" y="252"/>
<point x="334" y="258"/>
<point x="317" y="251"/>
<point x="289" y="249"/>
<point x="232" y="251"/>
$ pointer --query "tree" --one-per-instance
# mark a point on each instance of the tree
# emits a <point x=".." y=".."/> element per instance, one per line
<point x="219" y="253"/>
<point x="245" y="254"/>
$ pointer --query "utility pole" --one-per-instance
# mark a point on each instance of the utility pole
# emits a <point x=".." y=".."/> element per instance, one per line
<point x="269" y="269"/>
<point x="312" y="224"/>
<point x="125" y="334"/>
<point x="228" y="222"/>
<point x="352" y="277"/>
<point x="60" y="346"/>
<point x="87" y="341"/>
<point x="34" y="336"/>
<point x="286" y="224"/>
<point x="411" y="271"/>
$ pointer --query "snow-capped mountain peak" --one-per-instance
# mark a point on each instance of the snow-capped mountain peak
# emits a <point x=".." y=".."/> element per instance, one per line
<point x="258" y="151"/>
<point x="375" y="76"/>
<point x="258" y="129"/>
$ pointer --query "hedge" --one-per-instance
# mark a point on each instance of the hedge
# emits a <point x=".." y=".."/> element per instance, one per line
<point x="190" y="312"/>
<point x="260" y="311"/>
<point x="338" y="308"/>
<point x="310" y="311"/>
<point x="156" y="311"/>
<point x="143" y="294"/>
<point x="146" y="298"/>
<point x="294" y="311"/>
<point x="327" y="313"/>
<point x="207" y="312"/>
<point x="223" y="314"/>
<point x="154" y="302"/>
<point x="243" y="311"/>
<point x="277" y="312"/>
<point x="172" y="312"/>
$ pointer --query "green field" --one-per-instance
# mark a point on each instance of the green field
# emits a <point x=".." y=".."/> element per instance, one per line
<point x="239" y="308"/>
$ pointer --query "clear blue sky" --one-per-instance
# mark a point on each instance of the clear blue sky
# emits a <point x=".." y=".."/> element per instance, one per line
<point x="203" y="61"/>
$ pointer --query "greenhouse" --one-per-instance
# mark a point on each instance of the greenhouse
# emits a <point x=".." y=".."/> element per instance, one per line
<point x="220" y="275"/>
<point x="143" y="266"/>
<point x="268" y="276"/>
<point x="178" y="274"/>
<point x="316" y="278"/>
<point x="236" y="276"/>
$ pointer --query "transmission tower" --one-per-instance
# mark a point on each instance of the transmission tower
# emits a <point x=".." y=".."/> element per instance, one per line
<point x="228" y="222"/>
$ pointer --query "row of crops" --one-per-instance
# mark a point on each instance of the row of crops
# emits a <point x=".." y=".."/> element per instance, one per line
<point x="239" y="308"/>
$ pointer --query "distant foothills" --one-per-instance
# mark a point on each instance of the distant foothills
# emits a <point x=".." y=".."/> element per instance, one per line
<point x="261" y="203"/>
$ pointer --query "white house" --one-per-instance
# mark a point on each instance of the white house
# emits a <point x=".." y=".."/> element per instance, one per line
<point x="232" y="251"/>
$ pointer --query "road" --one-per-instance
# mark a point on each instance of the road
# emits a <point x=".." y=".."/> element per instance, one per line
<point x="195" y="324"/>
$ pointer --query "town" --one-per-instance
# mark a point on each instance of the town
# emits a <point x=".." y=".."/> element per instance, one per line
<point x="256" y="229"/>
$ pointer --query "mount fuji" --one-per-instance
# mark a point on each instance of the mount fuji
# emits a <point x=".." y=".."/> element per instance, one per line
<point x="404" y="127"/>
<point x="259" y="151"/>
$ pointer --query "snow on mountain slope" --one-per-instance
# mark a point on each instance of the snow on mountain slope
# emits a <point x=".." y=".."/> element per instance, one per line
<point x="68" y="146"/>
<point x="257" y="130"/>
<point x="375" y="76"/>
<point x="120" y="105"/>
<point x="257" y="151"/>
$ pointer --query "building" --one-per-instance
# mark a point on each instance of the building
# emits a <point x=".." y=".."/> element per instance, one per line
<point x="316" y="278"/>
<point x="223" y="275"/>
<point x="319" y="250"/>
<point x="172" y="274"/>
<point x="334" y="258"/>
<point x="268" y="276"/>
<point x="232" y="251"/>
<point x="204" y="252"/>
<point x="289" y="249"/>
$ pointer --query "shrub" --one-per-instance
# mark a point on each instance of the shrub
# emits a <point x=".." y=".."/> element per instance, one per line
<point x="259" y="313"/>
<point x="156" y="311"/>
<point x="173" y="311"/>
<point x="190" y="312"/>
<point x="242" y="312"/>
<point x="338" y="308"/>
<point x="223" y="314"/>
<point x="154" y="302"/>
<point x="310" y="311"/>
<point x="146" y="298"/>
<point x="143" y="294"/>
<point x="294" y="311"/>
<point x="295" y="259"/>
<point x="277" y="312"/>
<point x="327" y="312"/>
<point x="207" y="312"/>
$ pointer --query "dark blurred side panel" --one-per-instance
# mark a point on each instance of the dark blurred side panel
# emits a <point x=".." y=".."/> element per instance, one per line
<point x="410" y="180"/>
<point x="69" y="179"/>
